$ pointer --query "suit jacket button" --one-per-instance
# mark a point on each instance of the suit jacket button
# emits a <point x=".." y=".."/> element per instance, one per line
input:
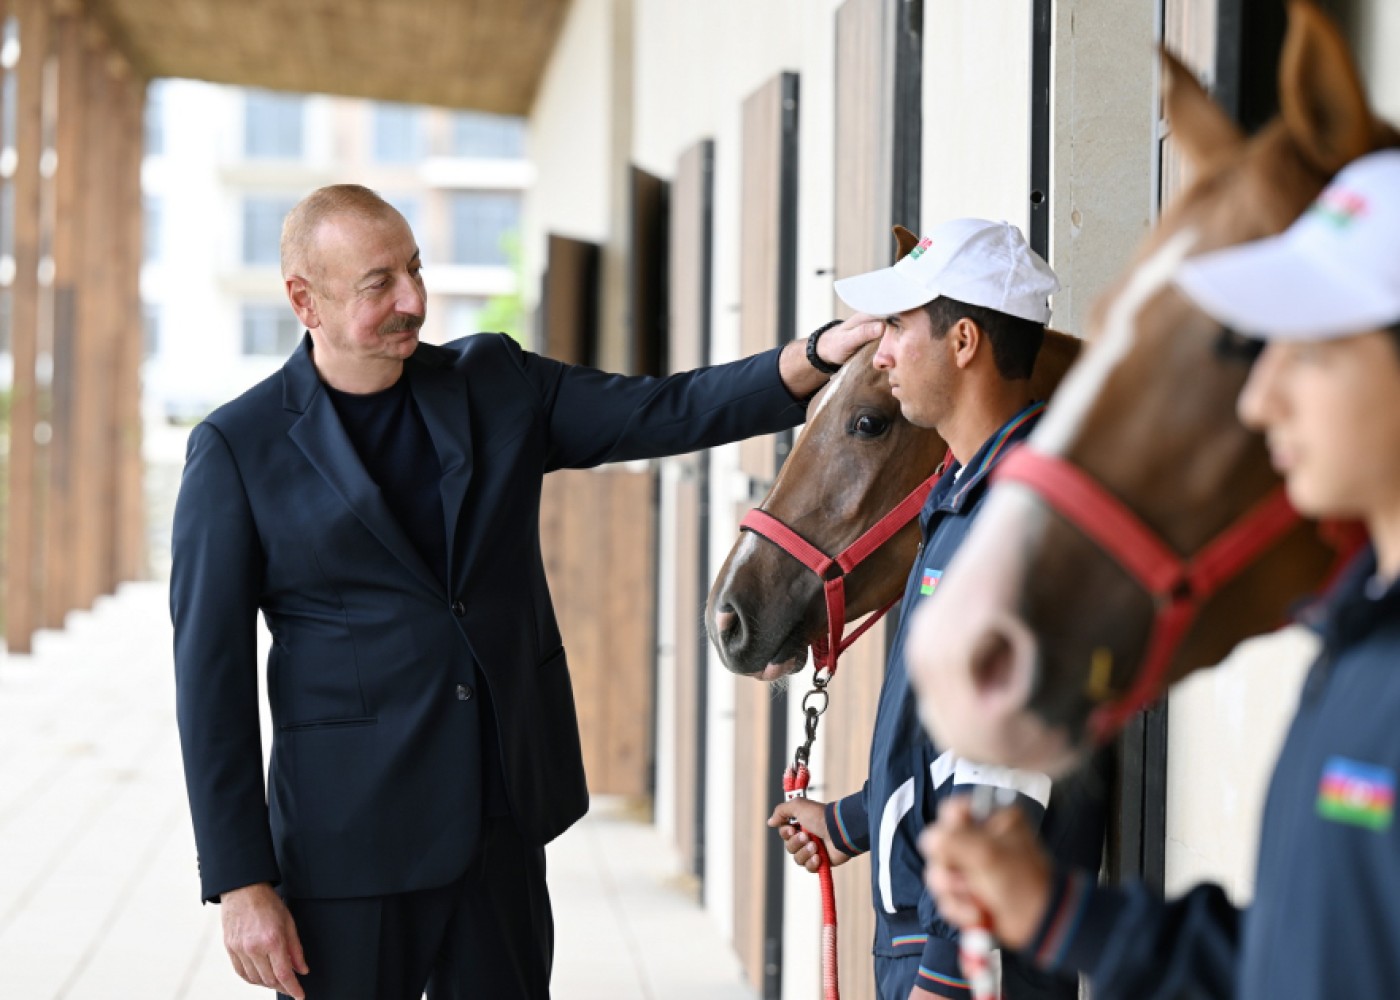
<point x="459" y="609"/>
<point x="465" y="692"/>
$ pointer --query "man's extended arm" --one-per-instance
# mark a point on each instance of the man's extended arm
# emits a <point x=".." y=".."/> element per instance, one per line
<point x="595" y="417"/>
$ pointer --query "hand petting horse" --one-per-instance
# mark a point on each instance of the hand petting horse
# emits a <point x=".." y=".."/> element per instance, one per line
<point x="1141" y="532"/>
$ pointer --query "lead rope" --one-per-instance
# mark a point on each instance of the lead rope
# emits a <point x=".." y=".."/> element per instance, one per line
<point x="976" y="941"/>
<point x="795" y="781"/>
<point x="825" y="653"/>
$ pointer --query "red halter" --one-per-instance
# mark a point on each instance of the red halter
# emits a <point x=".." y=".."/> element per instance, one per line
<point x="1178" y="587"/>
<point x="833" y="569"/>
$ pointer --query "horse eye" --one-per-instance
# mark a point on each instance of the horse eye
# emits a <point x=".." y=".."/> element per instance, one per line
<point x="869" y="425"/>
<point x="1234" y="346"/>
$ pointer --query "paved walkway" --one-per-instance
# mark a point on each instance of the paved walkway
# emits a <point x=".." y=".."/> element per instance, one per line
<point x="97" y="883"/>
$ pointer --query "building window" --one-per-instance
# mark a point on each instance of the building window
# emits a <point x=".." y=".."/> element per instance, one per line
<point x="269" y="329"/>
<point x="262" y="228"/>
<point x="150" y="316"/>
<point x="272" y="125"/>
<point x="483" y="136"/>
<point x="151" y="231"/>
<point x="154" y="118"/>
<point x="480" y="222"/>
<point x="398" y="133"/>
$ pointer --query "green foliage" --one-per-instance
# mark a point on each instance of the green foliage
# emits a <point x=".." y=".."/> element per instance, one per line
<point x="506" y="313"/>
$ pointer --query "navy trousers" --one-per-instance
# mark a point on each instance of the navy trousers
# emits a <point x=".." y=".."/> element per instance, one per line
<point x="487" y="936"/>
<point x="894" y="977"/>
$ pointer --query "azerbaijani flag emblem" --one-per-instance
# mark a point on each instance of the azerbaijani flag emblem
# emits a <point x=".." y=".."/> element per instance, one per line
<point x="1340" y="207"/>
<point x="1356" y="794"/>
<point x="929" y="583"/>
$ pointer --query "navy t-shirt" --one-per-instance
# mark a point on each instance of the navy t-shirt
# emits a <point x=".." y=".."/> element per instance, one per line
<point x="393" y="443"/>
<point x="397" y="451"/>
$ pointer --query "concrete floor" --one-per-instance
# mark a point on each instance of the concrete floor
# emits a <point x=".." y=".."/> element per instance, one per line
<point x="98" y="896"/>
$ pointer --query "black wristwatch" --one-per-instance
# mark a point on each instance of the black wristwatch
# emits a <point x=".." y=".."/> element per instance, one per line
<point x="815" y="359"/>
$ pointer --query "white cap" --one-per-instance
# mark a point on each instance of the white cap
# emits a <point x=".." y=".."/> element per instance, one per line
<point x="1333" y="273"/>
<point x="981" y="263"/>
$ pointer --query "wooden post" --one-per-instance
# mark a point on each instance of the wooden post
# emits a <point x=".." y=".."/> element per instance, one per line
<point x="69" y="196"/>
<point x="128" y="520"/>
<point x="22" y="564"/>
<point x="92" y="368"/>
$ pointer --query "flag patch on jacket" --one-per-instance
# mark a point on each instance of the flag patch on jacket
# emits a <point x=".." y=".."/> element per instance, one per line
<point x="1356" y="794"/>
<point x="929" y="583"/>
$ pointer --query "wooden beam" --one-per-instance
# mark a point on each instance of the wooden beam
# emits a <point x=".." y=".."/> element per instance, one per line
<point x="69" y="197"/>
<point x="23" y="559"/>
<point x="128" y="520"/>
<point x="91" y="355"/>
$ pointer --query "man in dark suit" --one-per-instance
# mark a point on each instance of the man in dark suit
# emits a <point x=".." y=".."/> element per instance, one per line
<point x="378" y="501"/>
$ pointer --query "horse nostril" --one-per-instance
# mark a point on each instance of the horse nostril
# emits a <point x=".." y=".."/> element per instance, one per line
<point x="993" y="662"/>
<point x="725" y="619"/>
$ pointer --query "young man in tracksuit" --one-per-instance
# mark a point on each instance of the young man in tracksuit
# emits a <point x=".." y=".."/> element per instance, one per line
<point x="965" y="315"/>
<point x="1325" y="921"/>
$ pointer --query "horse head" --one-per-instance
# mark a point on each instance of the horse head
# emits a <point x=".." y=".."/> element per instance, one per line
<point x="856" y="459"/>
<point x="1046" y="632"/>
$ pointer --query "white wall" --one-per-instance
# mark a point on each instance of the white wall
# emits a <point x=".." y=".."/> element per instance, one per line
<point x="1377" y="34"/>
<point x="977" y="124"/>
<point x="568" y="140"/>
<point x="1227" y="725"/>
<point x="1104" y="108"/>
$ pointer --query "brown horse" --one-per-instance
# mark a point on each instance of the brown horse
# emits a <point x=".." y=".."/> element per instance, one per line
<point x="1036" y="628"/>
<point x="855" y="460"/>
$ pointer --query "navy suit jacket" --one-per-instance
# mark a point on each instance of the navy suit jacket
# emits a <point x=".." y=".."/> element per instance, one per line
<point x="375" y="780"/>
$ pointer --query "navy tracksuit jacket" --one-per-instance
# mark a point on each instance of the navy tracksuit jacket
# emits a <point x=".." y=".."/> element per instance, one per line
<point x="1325" y="921"/>
<point x="909" y="776"/>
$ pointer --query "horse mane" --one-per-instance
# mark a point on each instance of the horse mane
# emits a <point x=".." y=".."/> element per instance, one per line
<point x="1057" y="353"/>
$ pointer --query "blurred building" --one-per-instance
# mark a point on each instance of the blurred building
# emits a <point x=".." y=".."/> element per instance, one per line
<point x="224" y="165"/>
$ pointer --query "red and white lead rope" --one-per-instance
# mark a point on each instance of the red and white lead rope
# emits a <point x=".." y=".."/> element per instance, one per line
<point x="826" y="651"/>
<point x="795" y="781"/>
<point x="975" y="943"/>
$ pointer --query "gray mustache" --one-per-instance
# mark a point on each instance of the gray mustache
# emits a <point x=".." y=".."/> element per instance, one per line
<point x="402" y="324"/>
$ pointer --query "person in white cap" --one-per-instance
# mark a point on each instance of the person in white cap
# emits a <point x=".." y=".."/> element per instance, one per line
<point x="964" y="313"/>
<point x="1325" y="922"/>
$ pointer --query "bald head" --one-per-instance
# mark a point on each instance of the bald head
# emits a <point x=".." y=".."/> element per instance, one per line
<point x="300" y="227"/>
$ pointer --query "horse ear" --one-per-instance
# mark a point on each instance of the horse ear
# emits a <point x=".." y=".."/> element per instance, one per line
<point x="1320" y="92"/>
<point x="904" y="241"/>
<point x="1200" y="128"/>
